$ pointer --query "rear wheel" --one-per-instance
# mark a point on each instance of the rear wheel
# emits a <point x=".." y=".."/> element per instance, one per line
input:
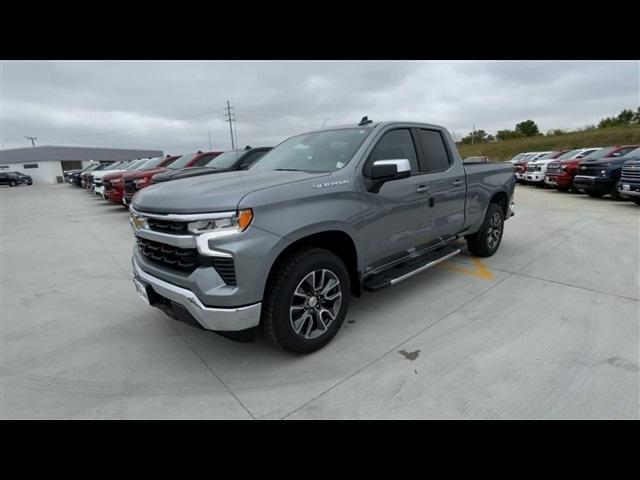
<point x="486" y="241"/>
<point x="306" y="301"/>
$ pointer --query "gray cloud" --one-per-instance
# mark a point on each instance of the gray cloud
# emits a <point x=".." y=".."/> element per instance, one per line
<point x="172" y="105"/>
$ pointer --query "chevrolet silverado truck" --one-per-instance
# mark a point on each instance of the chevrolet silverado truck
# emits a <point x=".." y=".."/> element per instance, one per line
<point x="321" y="217"/>
<point x="227" y="162"/>
<point x="599" y="176"/>
<point x="536" y="168"/>
<point x="629" y="184"/>
<point x="142" y="179"/>
<point x="560" y="172"/>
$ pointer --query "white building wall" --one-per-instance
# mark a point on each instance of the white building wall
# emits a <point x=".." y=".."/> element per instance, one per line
<point x="46" y="172"/>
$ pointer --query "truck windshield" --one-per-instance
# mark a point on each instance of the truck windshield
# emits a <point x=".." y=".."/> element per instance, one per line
<point x="603" y="152"/>
<point x="224" y="160"/>
<point x="569" y="154"/>
<point x="633" y="153"/>
<point x="153" y="162"/>
<point x="181" y="162"/>
<point x="325" y="151"/>
<point x="547" y="156"/>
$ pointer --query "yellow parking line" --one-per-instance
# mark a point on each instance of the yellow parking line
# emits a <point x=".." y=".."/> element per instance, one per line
<point x="479" y="269"/>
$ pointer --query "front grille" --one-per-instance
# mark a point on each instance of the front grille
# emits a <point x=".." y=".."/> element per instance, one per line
<point x="554" y="168"/>
<point x="591" y="171"/>
<point x="226" y="269"/>
<point x="107" y="185"/>
<point x="531" y="168"/>
<point x="184" y="259"/>
<point x="631" y="172"/>
<point x="520" y="167"/>
<point x="129" y="186"/>
<point x="98" y="183"/>
<point x="168" y="226"/>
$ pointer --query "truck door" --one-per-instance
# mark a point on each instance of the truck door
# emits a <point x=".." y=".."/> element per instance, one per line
<point x="445" y="179"/>
<point x="398" y="216"/>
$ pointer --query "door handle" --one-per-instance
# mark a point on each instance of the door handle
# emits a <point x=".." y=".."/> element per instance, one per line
<point x="457" y="182"/>
<point x="422" y="189"/>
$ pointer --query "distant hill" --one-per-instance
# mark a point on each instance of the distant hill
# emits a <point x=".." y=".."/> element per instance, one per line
<point x="506" y="149"/>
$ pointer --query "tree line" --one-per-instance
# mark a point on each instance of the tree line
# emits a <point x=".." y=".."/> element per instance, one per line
<point x="529" y="128"/>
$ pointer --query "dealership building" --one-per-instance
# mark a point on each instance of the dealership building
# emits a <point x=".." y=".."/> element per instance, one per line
<point x="46" y="164"/>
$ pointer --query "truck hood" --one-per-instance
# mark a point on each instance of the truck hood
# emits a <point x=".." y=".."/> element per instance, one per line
<point x="186" y="173"/>
<point x="212" y="193"/>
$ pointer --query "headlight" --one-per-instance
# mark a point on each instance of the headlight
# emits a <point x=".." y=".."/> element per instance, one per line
<point x="603" y="172"/>
<point x="141" y="181"/>
<point x="223" y="225"/>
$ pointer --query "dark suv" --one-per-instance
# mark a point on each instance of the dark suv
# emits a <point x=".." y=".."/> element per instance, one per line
<point x="14" y="179"/>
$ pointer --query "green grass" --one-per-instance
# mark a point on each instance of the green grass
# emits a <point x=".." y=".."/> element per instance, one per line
<point x="505" y="150"/>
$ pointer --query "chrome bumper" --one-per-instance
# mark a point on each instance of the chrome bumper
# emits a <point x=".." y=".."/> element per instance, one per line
<point x="218" y="319"/>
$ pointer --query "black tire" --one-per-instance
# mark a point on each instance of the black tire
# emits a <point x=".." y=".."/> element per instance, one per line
<point x="562" y="189"/>
<point x="636" y="201"/>
<point x="479" y="243"/>
<point x="291" y="276"/>
<point x="594" y="194"/>
<point x="13" y="183"/>
<point x="615" y="194"/>
<point x="540" y="185"/>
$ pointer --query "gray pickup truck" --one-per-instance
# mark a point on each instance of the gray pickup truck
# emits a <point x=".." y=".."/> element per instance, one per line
<point x="321" y="217"/>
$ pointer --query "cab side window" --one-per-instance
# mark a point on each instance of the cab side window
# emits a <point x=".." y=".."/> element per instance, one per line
<point x="436" y="157"/>
<point x="394" y="145"/>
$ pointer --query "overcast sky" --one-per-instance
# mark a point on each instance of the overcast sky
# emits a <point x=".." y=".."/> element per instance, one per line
<point x="172" y="105"/>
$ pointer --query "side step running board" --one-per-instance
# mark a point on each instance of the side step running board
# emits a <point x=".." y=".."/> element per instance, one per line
<point x="410" y="268"/>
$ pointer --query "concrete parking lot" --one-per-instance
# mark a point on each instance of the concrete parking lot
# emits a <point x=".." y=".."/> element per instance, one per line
<point x="546" y="328"/>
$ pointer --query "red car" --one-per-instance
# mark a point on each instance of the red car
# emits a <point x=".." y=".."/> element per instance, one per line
<point x="113" y="185"/>
<point x="560" y="174"/>
<point x="138" y="180"/>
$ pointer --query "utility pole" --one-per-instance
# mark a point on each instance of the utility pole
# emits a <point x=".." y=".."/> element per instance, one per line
<point x="325" y="121"/>
<point x="33" y="140"/>
<point x="473" y="135"/>
<point x="209" y="139"/>
<point x="230" y="118"/>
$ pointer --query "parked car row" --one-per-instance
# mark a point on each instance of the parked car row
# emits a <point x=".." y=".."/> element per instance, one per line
<point x="118" y="182"/>
<point x="13" y="179"/>
<point x="596" y="171"/>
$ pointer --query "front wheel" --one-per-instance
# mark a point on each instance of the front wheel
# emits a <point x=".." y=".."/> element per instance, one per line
<point x="13" y="183"/>
<point x="486" y="241"/>
<point x="615" y="194"/>
<point x="594" y="194"/>
<point x="306" y="301"/>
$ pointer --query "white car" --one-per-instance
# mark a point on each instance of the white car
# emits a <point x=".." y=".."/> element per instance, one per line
<point x="523" y="161"/>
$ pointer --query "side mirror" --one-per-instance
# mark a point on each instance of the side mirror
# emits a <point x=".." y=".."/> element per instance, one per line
<point x="387" y="170"/>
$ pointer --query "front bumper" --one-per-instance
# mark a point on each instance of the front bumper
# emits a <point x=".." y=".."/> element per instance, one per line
<point x="633" y="190"/>
<point x="182" y="301"/>
<point x="596" y="184"/>
<point x="535" y="177"/>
